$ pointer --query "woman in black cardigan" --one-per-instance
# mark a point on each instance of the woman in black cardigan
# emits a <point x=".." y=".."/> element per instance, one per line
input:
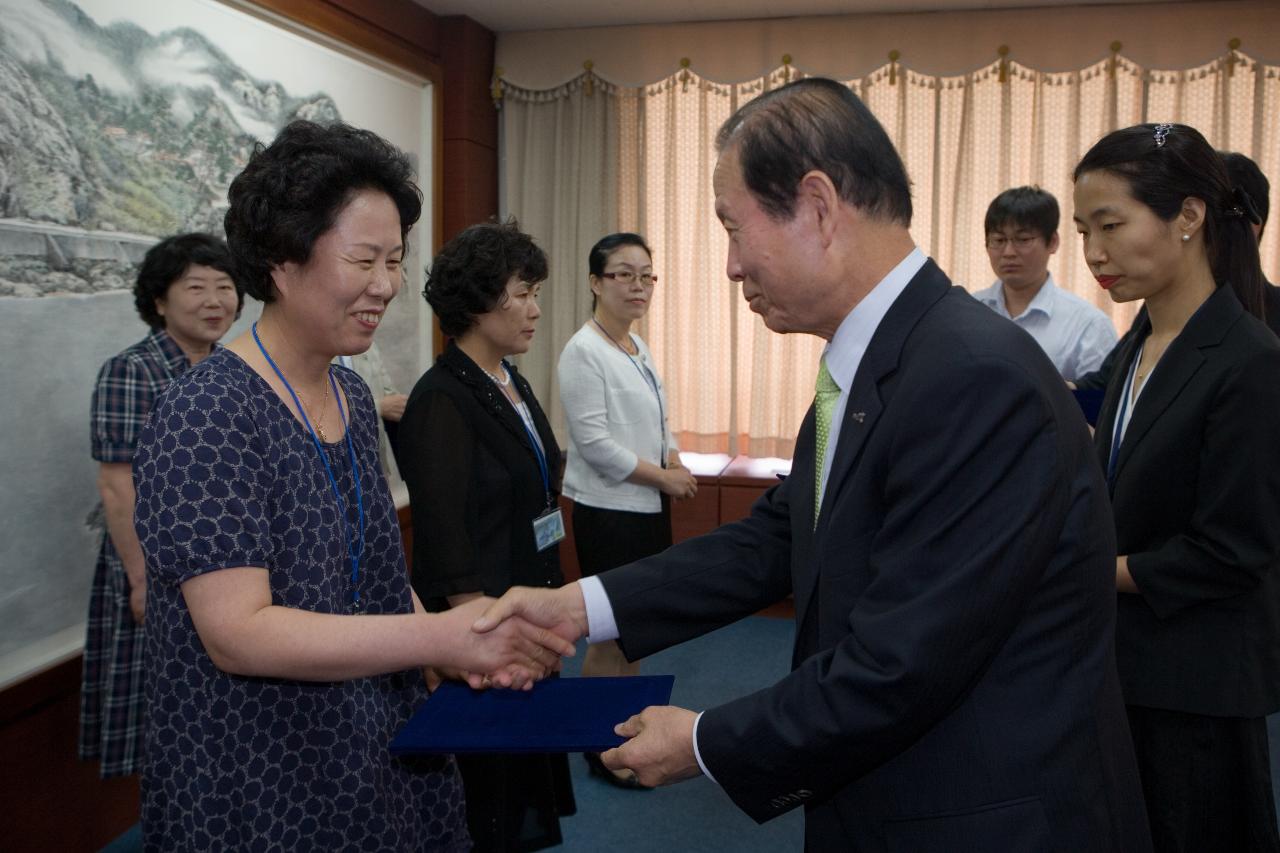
<point x="482" y="466"/>
<point x="1187" y="438"/>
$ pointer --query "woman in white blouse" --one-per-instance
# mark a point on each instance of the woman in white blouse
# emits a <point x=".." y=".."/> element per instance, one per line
<point x="623" y="461"/>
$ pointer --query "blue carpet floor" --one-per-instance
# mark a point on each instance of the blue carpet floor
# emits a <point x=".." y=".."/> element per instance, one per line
<point x="693" y="816"/>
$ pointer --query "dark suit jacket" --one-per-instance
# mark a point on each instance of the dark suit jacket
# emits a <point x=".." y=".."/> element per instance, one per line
<point x="1100" y="378"/>
<point x="1271" y="299"/>
<point x="1196" y="493"/>
<point x="474" y="483"/>
<point x="954" y="683"/>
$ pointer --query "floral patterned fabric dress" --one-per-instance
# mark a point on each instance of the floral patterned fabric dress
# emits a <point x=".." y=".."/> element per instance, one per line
<point x="227" y="477"/>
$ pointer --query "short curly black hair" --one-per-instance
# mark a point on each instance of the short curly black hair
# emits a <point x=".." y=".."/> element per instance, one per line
<point x="166" y="261"/>
<point x="469" y="276"/>
<point x="292" y="191"/>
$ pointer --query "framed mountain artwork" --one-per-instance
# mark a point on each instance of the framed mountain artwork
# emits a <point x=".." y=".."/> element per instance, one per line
<point x="122" y="122"/>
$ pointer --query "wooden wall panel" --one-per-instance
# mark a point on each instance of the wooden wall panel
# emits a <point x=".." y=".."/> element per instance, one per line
<point x="405" y="21"/>
<point x="469" y="182"/>
<point x="467" y="53"/>
<point x="470" y="191"/>
<point x="54" y="801"/>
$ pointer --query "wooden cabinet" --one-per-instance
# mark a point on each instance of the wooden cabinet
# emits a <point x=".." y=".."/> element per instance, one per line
<point x="727" y="487"/>
<point x="700" y="514"/>
<point x="744" y="480"/>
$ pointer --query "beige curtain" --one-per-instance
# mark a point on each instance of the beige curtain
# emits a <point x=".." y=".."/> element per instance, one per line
<point x="562" y="179"/>
<point x="588" y="158"/>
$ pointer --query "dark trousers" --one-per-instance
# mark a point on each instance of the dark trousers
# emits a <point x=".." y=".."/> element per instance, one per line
<point x="1206" y="780"/>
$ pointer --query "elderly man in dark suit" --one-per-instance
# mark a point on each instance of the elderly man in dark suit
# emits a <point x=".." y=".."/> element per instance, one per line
<point x="945" y="532"/>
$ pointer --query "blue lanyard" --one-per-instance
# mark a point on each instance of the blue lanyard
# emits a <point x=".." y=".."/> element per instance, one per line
<point x="1117" y="429"/>
<point x="649" y="380"/>
<point x="355" y="546"/>
<point x="533" y="440"/>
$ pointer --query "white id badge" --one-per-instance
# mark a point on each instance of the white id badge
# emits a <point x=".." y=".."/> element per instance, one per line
<point x="548" y="529"/>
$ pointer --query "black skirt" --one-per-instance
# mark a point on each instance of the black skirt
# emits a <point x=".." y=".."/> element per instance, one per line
<point x="1206" y="781"/>
<point x="515" y="802"/>
<point x="607" y="538"/>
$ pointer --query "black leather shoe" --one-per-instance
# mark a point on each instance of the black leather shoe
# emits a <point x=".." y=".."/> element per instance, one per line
<point x="597" y="768"/>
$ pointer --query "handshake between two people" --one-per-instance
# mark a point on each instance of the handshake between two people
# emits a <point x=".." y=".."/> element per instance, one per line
<point x="525" y="633"/>
<point x="509" y="650"/>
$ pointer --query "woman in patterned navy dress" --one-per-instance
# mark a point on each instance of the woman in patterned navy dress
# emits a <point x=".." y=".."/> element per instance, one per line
<point x="284" y="644"/>
<point x="186" y="294"/>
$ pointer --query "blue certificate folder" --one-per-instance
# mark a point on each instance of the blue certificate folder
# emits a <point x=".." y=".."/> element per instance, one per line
<point x="557" y="715"/>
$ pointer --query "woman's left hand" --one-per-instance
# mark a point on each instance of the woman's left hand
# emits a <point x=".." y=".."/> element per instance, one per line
<point x="437" y="675"/>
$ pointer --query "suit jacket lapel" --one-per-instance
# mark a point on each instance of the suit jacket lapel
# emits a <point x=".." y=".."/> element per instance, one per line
<point x="1185" y="356"/>
<point x="862" y="411"/>
<point x="879" y="362"/>
<point x="1105" y="428"/>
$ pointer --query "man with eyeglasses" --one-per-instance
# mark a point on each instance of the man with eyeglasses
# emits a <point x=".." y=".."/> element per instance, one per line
<point x="1022" y="234"/>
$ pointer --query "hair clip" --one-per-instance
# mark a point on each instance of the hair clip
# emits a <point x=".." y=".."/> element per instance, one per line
<point x="1242" y="205"/>
<point x="1162" y="130"/>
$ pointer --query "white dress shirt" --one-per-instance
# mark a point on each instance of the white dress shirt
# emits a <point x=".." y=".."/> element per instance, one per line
<point x="1074" y="334"/>
<point x="844" y="355"/>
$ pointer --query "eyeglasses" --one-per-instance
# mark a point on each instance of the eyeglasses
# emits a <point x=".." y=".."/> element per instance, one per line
<point x="627" y="276"/>
<point x="997" y="242"/>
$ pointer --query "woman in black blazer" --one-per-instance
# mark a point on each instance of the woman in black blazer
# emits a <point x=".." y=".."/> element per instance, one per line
<point x="482" y="466"/>
<point x="1187" y="438"/>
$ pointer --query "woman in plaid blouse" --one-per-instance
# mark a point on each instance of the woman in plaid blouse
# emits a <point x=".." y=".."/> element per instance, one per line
<point x="186" y="294"/>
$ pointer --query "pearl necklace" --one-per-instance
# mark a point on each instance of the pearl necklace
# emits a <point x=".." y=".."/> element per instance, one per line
<point x="500" y="381"/>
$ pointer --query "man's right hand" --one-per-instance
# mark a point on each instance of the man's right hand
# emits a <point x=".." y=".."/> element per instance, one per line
<point x="514" y="653"/>
<point x="561" y="611"/>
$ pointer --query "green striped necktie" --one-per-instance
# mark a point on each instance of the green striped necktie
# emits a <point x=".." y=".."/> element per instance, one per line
<point x="824" y="403"/>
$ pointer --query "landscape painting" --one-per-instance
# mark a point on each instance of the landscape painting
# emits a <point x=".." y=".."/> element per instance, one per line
<point x="122" y="122"/>
<point x="111" y="137"/>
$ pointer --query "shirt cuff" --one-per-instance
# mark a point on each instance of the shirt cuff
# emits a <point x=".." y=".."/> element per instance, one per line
<point x="696" y="754"/>
<point x="601" y="626"/>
